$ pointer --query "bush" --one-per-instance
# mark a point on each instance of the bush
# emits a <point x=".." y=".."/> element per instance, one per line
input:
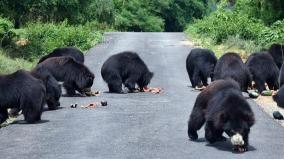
<point x="43" y="38"/>
<point x="7" y="33"/>
<point x="8" y="65"/>
<point x="274" y="34"/>
<point x="222" y="23"/>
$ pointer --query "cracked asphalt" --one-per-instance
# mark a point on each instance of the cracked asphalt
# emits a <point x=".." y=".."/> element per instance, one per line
<point x="134" y="126"/>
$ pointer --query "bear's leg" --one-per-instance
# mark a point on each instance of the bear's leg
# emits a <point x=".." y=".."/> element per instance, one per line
<point x="197" y="119"/>
<point x="260" y="85"/>
<point x="32" y="110"/>
<point x="212" y="134"/>
<point x="272" y="84"/>
<point x="115" y="86"/>
<point x="190" y="78"/>
<point x="3" y="115"/>
<point x="204" y="80"/>
<point x="70" y="90"/>
<point x="195" y="78"/>
<point x="130" y="84"/>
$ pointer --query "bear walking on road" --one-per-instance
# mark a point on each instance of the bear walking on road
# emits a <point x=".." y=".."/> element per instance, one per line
<point x="200" y="65"/>
<point x="222" y="107"/>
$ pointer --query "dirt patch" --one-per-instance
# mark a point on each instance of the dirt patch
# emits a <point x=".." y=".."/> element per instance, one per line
<point x="267" y="104"/>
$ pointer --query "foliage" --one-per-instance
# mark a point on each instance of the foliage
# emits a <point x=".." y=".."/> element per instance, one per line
<point x="224" y="23"/>
<point x="7" y="33"/>
<point x="8" y="65"/>
<point x="43" y="38"/>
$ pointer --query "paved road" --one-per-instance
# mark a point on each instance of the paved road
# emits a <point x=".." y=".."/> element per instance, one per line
<point x="134" y="126"/>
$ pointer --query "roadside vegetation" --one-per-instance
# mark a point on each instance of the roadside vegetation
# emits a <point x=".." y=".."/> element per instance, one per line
<point x="32" y="28"/>
<point x="243" y="26"/>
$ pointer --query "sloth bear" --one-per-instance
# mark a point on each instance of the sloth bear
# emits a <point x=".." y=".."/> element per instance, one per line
<point x="75" y="76"/>
<point x="200" y="65"/>
<point x="277" y="52"/>
<point x="224" y="109"/>
<point x="263" y="70"/>
<point x="279" y="96"/>
<point x="281" y="76"/>
<point x="20" y="90"/>
<point x="53" y="89"/>
<point x="230" y="65"/>
<point x="125" y="68"/>
<point x="73" y="52"/>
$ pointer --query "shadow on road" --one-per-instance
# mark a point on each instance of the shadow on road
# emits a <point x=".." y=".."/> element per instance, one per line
<point x="24" y="122"/>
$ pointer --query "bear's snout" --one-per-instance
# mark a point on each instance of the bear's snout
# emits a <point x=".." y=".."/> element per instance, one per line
<point x="237" y="139"/>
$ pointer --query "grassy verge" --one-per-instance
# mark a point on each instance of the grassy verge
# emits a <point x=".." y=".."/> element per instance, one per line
<point x="8" y="65"/>
<point x="232" y="44"/>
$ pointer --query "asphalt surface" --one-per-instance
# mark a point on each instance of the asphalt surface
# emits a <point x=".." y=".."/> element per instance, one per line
<point x="134" y="126"/>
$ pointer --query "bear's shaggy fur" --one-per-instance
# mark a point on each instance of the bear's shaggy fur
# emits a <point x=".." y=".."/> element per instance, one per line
<point x="224" y="109"/>
<point x="200" y="65"/>
<point x="230" y="65"/>
<point x="73" y="52"/>
<point x="75" y="76"/>
<point x="20" y="90"/>
<point x="263" y="70"/>
<point x="125" y="68"/>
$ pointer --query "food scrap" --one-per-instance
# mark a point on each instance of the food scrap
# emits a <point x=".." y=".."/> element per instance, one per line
<point x="199" y="88"/>
<point x="277" y="115"/>
<point x="94" y="104"/>
<point x="91" y="93"/>
<point x="155" y="90"/>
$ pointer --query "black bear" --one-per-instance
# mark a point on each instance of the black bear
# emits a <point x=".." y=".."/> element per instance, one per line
<point x="75" y="76"/>
<point x="230" y="65"/>
<point x="263" y="70"/>
<point x="224" y="109"/>
<point x="200" y="65"/>
<point x="281" y="76"/>
<point x="279" y="97"/>
<point x="125" y="68"/>
<point x="20" y="90"/>
<point x="53" y="89"/>
<point x="277" y="52"/>
<point x="73" y="52"/>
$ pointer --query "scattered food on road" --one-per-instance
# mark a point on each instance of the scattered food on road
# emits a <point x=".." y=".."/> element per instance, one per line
<point x="253" y="94"/>
<point x="155" y="90"/>
<point x="9" y="121"/>
<point x="267" y="93"/>
<point x="90" y="93"/>
<point x="277" y="115"/>
<point x="95" y="104"/>
<point x="199" y="88"/>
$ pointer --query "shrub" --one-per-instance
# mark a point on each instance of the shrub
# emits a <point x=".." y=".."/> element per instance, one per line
<point x="7" y="33"/>
<point x="43" y="38"/>
<point x="8" y="65"/>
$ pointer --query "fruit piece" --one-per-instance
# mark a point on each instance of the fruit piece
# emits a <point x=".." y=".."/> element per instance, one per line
<point x="253" y="94"/>
<point x="266" y="93"/>
<point x="277" y="115"/>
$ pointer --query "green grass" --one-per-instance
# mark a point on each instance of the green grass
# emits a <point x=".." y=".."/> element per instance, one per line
<point x="232" y="44"/>
<point x="8" y="65"/>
